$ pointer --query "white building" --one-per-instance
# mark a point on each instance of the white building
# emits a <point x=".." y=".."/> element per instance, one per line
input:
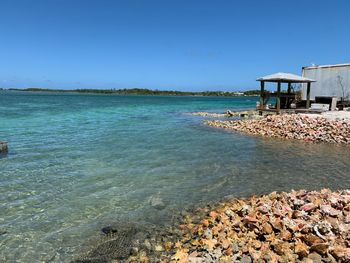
<point x="331" y="81"/>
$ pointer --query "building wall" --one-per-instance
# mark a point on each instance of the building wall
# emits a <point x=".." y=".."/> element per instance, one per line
<point x="329" y="81"/>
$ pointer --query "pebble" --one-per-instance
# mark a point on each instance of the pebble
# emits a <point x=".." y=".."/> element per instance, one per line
<point x="147" y="244"/>
<point x="158" y="248"/>
<point x="246" y="259"/>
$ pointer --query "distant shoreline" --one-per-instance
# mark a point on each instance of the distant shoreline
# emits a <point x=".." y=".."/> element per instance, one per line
<point x="143" y="92"/>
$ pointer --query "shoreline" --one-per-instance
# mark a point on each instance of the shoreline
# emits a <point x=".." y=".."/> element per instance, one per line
<point x="295" y="226"/>
<point x="292" y="127"/>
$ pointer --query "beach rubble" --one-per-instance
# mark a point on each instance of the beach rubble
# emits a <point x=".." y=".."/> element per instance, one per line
<point x="294" y="126"/>
<point x="296" y="226"/>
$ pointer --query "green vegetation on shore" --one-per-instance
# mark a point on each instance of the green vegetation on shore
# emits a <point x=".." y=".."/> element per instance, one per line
<point x="253" y="92"/>
<point x="146" y="92"/>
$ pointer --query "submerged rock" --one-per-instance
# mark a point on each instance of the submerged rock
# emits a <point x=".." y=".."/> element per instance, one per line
<point x="109" y="230"/>
<point x="3" y="232"/>
<point x="157" y="202"/>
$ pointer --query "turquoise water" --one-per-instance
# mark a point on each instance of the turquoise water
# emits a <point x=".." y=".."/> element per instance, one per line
<point x="79" y="162"/>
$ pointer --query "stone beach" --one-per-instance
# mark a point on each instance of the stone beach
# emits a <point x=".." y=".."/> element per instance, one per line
<point x="298" y="226"/>
<point x="279" y="227"/>
<point x="294" y="126"/>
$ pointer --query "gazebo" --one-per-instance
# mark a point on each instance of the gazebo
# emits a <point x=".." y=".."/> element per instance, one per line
<point x="283" y="78"/>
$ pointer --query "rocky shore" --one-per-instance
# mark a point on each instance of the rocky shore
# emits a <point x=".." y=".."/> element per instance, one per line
<point x="299" y="226"/>
<point x="226" y="114"/>
<point x="294" y="126"/>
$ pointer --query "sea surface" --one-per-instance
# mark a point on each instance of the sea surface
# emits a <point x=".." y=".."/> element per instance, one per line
<point x="78" y="162"/>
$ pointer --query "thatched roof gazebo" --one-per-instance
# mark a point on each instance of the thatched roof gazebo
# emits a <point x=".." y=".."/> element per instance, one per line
<point x="283" y="78"/>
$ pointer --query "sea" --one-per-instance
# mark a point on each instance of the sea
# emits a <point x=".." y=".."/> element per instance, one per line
<point x="79" y="162"/>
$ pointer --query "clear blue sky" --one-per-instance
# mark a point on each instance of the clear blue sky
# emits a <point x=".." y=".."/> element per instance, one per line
<point x="182" y="45"/>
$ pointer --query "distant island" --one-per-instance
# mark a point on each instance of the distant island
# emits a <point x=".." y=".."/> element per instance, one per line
<point x="147" y="92"/>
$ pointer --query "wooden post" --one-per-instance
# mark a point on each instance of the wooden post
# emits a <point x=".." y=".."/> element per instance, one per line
<point x="288" y="95"/>
<point x="308" y="95"/>
<point x="262" y="87"/>
<point x="278" y="97"/>
<point x="289" y="87"/>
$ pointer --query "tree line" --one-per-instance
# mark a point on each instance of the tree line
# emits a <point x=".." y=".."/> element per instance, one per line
<point x="137" y="91"/>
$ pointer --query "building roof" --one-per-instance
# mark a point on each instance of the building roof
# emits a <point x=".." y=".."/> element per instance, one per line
<point x="285" y="77"/>
<point x="327" y="66"/>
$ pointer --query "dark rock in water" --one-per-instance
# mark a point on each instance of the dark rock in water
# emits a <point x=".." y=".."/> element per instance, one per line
<point x="230" y="113"/>
<point x="3" y="147"/>
<point x="3" y="232"/>
<point x="117" y="245"/>
<point x="109" y="230"/>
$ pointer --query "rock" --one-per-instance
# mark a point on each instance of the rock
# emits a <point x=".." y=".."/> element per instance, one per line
<point x="156" y="202"/>
<point x="308" y="207"/>
<point x="301" y="249"/>
<point x="340" y="253"/>
<point x="168" y="245"/>
<point x="205" y="222"/>
<point x="144" y="259"/>
<point x="180" y="256"/>
<point x="245" y="259"/>
<point x="235" y="248"/>
<point x="109" y="230"/>
<point x="254" y="254"/>
<point x="134" y="251"/>
<point x="208" y="234"/>
<point x="269" y="256"/>
<point x="266" y="228"/>
<point x="316" y="258"/>
<point x="307" y="260"/>
<point x="147" y="244"/>
<point x="285" y="235"/>
<point x="329" y="210"/>
<point x="3" y="232"/>
<point x="230" y="113"/>
<point x="158" y="248"/>
<point x="311" y="239"/>
<point x="3" y="147"/>
<point x="192" y="259"/>
<point x="276" y="224"/>
<point x="321" y="248"/>
<point x="225" y="244"/>
<point x="281" y="248"/>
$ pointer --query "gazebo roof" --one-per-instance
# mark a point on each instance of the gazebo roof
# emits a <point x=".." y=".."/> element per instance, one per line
<point x="285" y="77"/>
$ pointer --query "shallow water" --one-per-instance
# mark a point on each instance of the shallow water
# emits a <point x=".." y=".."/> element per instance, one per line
<point x="79" y="162"/>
